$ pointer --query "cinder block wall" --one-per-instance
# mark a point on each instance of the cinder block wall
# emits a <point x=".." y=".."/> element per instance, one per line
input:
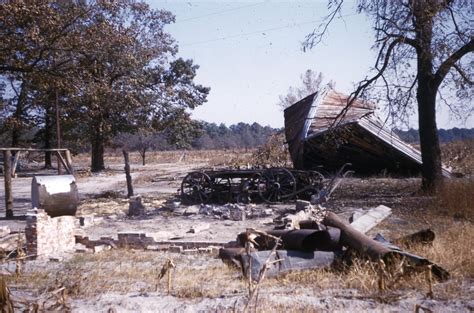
<point x="47" y="236"/>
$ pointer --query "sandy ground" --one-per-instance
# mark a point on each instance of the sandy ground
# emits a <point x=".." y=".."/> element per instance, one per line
<point x="104" y="196"/>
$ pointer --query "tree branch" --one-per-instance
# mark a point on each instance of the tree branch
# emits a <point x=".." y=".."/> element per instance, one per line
<point x="446" y="66"/>
<point x="463" y="74"/>
<point x="316" y="36"/>
<point x="367" y="82"/>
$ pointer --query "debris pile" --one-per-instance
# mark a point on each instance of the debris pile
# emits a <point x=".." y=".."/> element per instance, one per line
<point x="229" y="211"/>
<point x="321" y="243"/>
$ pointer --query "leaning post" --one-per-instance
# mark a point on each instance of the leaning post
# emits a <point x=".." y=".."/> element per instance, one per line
<point x="127" y="174"/>
<point x="7" y="173"/>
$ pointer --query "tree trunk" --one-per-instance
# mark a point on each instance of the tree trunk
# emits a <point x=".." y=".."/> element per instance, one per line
<point x="143" y="153"/>
<point x="429" y="140"/>
<point x="426" y="98"/>
<point x="97" y="158"/>
<point x="18" y="116"/>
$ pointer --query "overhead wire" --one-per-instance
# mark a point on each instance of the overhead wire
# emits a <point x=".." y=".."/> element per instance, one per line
<point x="263" y="31"/>
<point x="219" y="12"/>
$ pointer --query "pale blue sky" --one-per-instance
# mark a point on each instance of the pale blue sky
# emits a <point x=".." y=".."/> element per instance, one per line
<point x="249" y="53"/>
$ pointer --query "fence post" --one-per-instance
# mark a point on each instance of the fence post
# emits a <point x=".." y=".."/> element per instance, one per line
<point x="7" y="172"/>
<point x="127" y="174"/>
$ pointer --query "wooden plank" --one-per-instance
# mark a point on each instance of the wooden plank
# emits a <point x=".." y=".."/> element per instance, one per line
<point x="8" y="183"/>
<point x="15" y="163"/>
<point x="60" y="158"/>
<point x="69" y="162"/>
<point x="31" y="149"/>
<point x="371" y="219"/>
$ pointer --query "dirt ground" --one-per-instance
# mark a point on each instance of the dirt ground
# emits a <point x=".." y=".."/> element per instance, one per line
<point x="126" y="280"/>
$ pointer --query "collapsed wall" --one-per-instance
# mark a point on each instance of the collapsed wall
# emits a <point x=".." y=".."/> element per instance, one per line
<point x="47" y="236"/>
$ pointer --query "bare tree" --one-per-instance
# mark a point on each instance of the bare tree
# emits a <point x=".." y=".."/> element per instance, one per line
<point x="310" y="83"/>
<point x="424" y="47"/>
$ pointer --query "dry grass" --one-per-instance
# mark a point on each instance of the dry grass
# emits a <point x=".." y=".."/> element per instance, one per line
<point x="455" y="199"/>
<point x="124" y="271"/>
<point x="459" y="155"/>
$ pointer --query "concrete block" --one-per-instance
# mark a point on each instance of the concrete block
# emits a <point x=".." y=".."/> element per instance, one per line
<point x="175" y="249"/>
<point x="4" y="230"/>
<point x="101" y="248"/>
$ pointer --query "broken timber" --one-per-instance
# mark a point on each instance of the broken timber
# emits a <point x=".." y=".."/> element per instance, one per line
<point x="371" y="219"/>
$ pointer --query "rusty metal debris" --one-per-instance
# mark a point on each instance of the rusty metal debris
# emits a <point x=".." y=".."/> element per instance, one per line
<point x="329" y="241"/>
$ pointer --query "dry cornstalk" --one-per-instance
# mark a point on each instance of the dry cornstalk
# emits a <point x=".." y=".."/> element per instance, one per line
<point x="253" y="288"/>
<point x="166" y="269"/>
<point x="429" y="278"/>
<point x="382" y="275"/>
<point x="20" y="256"/>
<point x="6" y="303"/>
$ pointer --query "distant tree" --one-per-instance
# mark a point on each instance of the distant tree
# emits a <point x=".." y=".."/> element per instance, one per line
<point x="310" y="83"/>
<point x="142" y="141"/>
<point x="423" y="45"/>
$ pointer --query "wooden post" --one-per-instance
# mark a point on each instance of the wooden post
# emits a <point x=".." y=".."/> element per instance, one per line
<point x="69" y="162"/>
<point x="7" y="172"/>
<point x="127" y="174"/>
<point x="58" y="132"/>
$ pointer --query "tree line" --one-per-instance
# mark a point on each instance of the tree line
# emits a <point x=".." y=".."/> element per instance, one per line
<point x="445" y="135"/>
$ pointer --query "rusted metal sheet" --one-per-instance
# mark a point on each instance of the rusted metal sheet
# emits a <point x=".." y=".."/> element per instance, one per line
<point x="309" y="239"/>
<point x="440" y="273"/>
<point x="57" y="195"/>
<point x="289" y="260"/>
<point x="352" y="238"/>
<point x="317" y="136"/>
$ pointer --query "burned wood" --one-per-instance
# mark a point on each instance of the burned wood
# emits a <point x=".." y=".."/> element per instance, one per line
<point x="127" y="174"/>
<point x="8" y="183"/>
<point x="424" y="236"/>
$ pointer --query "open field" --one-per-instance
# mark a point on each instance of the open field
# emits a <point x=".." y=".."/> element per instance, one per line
<point x="126" y="280"/>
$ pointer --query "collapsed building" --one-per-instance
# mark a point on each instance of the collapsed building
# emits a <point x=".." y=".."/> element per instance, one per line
<point x="320" y="135"/>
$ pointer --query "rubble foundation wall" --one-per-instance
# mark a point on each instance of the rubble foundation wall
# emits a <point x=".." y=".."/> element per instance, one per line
<point x="47" y="236"/>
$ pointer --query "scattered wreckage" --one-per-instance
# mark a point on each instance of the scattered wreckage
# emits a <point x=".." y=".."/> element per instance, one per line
<point x="250" y="185"/>
<point x="311" y="237"/>
<point x="313" y="244"/>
